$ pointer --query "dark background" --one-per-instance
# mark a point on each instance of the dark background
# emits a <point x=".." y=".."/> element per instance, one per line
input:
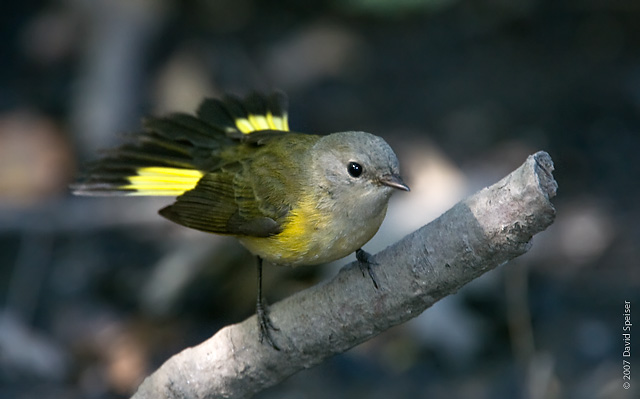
<point x="95" y="293"/>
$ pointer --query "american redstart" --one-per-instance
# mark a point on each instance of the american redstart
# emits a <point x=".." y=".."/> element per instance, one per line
<point x="236" y="169"/>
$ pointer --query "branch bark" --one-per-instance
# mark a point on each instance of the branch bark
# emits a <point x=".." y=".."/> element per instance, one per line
<point x="479" y="233"/>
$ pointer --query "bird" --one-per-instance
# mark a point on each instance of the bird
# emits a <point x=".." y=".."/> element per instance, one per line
<point x="237" y="169"/>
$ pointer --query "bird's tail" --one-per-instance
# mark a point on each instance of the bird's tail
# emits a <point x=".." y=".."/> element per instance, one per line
<point x="172" y="153"/>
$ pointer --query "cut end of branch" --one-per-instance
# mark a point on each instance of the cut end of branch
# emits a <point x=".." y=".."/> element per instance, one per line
<point x="543" y="169"/>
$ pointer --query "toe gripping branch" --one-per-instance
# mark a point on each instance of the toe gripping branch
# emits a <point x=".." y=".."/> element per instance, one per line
<point x="365" y="261"/>
<point x="265" y="325"/>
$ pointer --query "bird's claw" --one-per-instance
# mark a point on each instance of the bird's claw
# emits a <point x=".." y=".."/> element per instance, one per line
<point x="365" y="261"/>
<point x="265" y="325"/>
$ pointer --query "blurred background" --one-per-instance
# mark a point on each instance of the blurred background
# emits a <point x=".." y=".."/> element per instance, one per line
<point x="95" y="293"/>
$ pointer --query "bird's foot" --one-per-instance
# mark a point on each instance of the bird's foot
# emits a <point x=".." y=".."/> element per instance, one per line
<point x="365" y="260"/>
<point x="265" y="325"/>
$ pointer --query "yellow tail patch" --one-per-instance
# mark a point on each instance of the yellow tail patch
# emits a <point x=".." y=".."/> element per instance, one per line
<point x="160" y="181"/>
<point x="254" y="123"/>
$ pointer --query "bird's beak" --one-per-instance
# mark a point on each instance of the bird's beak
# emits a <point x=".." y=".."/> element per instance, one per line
<point x="394" y="181"/>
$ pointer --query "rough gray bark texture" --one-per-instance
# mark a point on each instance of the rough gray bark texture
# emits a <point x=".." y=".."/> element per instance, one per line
<point x="479" y="233"/>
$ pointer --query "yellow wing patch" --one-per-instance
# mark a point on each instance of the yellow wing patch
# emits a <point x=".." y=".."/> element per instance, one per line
<point x="162" y="181"/>
<point x="254" y="123"/>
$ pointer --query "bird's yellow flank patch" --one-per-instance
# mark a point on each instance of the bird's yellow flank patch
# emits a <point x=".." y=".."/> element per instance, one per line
<point x="292" y="246"/>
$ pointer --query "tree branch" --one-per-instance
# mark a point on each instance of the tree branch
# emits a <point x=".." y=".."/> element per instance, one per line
<point x="479" y="233"/>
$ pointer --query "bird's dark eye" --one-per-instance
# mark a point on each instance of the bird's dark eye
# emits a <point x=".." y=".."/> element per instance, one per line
<point x="354" y="169"/>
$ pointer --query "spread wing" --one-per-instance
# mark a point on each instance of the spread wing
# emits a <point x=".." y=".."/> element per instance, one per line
<point x="251" y="195"/>
<point x="204" y="159"/>
<point x="172" y="153"/>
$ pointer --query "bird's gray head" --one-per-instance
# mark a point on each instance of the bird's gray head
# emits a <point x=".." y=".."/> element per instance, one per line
<point x="356" y="170"/>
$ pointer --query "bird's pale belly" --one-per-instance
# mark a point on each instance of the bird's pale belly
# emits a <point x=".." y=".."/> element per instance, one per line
<point x="309" y="238"/>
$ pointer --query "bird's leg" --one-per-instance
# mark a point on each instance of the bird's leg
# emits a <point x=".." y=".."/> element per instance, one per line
<point x="262" y="312"/>
<point x="365" y="260"/>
